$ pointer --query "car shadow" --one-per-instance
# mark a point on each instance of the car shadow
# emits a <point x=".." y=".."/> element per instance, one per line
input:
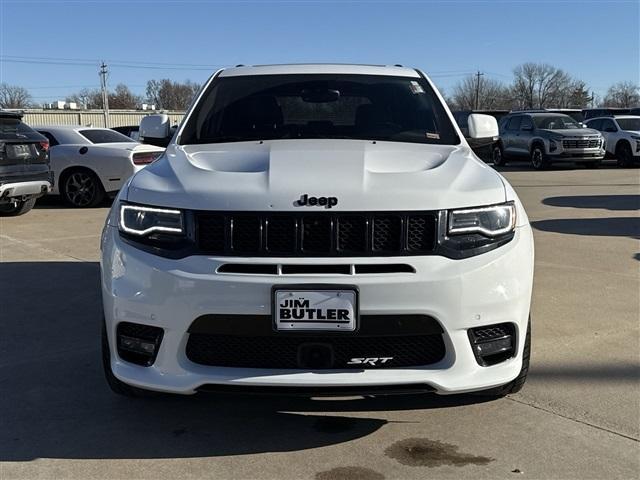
<point x="608" y="227"/>
<point x="55" y="402"/>
<point x="525" y="166"/>
<point x="55" y="201"/>
<point x="607" y="202"/>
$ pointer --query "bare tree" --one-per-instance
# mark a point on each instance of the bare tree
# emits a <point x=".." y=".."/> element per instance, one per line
<point x="576" y="96"/>
<point x="540" y="85"/>
<point x="13" y="96"/>
<point x="87" y="98"/>
<point x="492" y="94"/>
<point x="124" y="98"/>
<point x="524" y="85"/>
<point x="622" y="94"/>
<point x="169" y="95"/>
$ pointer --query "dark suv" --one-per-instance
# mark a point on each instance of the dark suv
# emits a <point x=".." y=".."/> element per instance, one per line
<point x="544" y="138"/>
<point x="24" y="165"/>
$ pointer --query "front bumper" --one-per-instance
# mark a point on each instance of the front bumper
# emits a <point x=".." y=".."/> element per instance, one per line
<point x="491" y="288"/>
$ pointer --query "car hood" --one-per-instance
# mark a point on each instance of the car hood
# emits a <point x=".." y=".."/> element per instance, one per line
<point x="272" y="175"/>
<point x="572" y="132"/>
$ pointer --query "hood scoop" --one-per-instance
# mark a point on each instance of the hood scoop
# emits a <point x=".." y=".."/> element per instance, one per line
<point x="251" y="160"/>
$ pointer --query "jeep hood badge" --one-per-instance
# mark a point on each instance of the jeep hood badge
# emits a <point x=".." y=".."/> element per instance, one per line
<point x="306" y="201"/>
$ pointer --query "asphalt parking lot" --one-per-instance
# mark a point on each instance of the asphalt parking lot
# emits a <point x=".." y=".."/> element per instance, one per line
<point x="577" y="417"/>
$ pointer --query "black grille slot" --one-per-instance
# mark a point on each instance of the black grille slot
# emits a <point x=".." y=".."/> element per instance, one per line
<point x="384" y="268"/>
<point x="421" y="233"/>
<point x="284" y="351"/>
<point x="248" y="269"/>
<point x="246" y="234"/>
<point x="387" y="233"/>
<point x="352" y="233"/>
<point x="281" y="234"/>
<point x="211" y="235"/>
<point x="316" y="269"/>
<point x="316" y="235"/>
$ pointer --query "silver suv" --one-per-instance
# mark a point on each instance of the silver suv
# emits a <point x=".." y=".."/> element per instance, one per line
<point x="544" y="138"/>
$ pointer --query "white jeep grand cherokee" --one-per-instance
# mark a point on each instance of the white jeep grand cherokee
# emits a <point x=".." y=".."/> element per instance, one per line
<point x="317" y="229"/>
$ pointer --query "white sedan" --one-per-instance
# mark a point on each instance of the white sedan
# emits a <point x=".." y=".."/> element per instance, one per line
<point x="89" y="163"/>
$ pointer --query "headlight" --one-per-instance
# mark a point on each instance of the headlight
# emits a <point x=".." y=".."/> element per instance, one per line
<point x="489" y="221"/>
<point x="167" y="232"/>
<point x="143" y="221"/>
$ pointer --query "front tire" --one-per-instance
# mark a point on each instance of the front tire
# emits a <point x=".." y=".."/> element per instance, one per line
<point x="117" y="386"/>
<point x="82" y="189"/>
<point x="624" y="155"/>
<point x="497" y="155"/>
<point x="515" y="385"/>
<point x="17" y="208"/>
<point x="538" y="158"/>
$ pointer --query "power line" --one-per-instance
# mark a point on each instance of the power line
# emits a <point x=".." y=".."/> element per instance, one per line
<point x="93" y="61"/>
<point x="81" y="64"/>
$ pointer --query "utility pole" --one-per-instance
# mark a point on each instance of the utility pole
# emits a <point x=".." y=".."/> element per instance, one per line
<point x="478" y="75"/>
<point x="103" y="73"/>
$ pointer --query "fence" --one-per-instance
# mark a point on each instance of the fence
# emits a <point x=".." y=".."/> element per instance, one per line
<point x="94" y="118"/>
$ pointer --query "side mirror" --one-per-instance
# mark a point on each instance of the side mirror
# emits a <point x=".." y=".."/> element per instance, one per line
<point x="155" y="127"/>
<point x="482" y="126"/>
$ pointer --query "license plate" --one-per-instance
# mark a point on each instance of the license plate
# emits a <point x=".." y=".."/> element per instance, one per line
<point x="18" y="152"/>
<point x="321" y="309"/>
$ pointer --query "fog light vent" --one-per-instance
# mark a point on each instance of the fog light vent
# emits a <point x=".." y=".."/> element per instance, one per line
<point x="138" y="343"/>
<point x="493" y="343"/>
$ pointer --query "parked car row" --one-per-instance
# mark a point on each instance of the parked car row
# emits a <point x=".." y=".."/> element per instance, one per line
<point x="81" y="164"/>
<point x="548" y="136"/>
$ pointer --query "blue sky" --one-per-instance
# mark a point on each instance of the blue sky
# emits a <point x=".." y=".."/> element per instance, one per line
<point x="447" y="39"/>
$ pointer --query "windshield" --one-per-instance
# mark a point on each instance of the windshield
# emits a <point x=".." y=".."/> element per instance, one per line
<point x="104" y="136"/>
<point x="267" y="107"/>
<point x="629" y="123"/>
<point x="555" y="122"/>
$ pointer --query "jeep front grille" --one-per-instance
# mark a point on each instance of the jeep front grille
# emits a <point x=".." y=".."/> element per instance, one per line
<point x="581" y="143"/>
<point x="316" y="234"/>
